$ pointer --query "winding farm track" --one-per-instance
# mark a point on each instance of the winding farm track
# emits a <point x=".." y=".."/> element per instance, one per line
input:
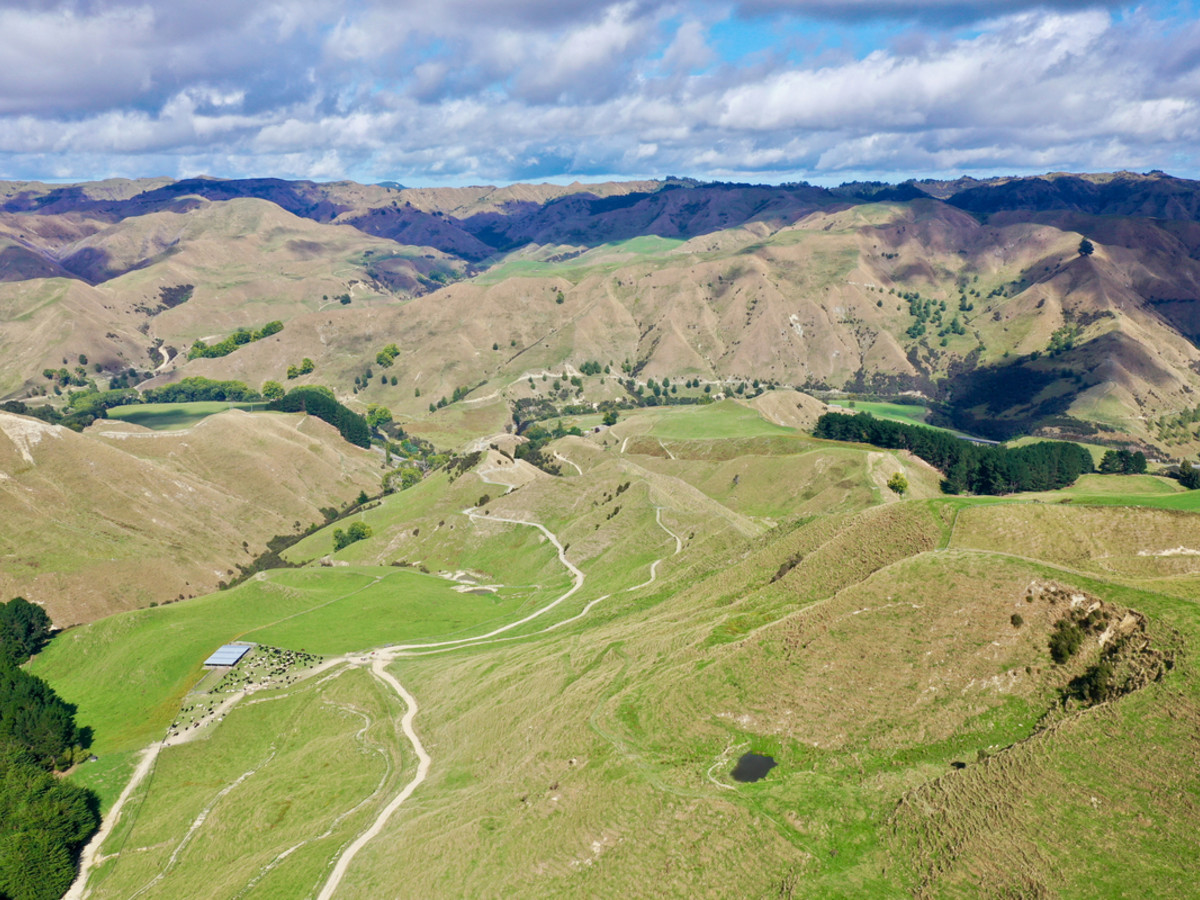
<point x="379" y="670"/>
<point x="387" y="655"/>
<point x="559" y="456"/>
<point x="380" y="660"/>
<point x="91" y="853"/>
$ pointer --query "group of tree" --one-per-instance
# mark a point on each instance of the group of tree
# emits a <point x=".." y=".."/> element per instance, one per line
<point x="1188" y="476"/>
<point x="967" y="467"/>
<point x="44" y="820"/>
<point x="197" y="388"/>
<point x="306" y="366"/>
<point x="320" y="402"/>
<point x="378" y="416"/>
<point x="1123" y="462"/>
<point x="64" y="376"/>
<point x="201" y="350"/>
<point x="387" y="355"/>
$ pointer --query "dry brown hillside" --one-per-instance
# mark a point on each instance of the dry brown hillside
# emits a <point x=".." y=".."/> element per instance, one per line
<point x="119" y="516"/>
<point x="978" y="298"/>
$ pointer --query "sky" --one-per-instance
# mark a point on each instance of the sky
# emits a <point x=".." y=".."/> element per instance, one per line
<point x="454" y="92"/>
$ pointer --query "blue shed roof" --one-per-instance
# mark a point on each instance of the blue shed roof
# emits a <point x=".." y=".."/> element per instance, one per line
<point x="228" y="655"/>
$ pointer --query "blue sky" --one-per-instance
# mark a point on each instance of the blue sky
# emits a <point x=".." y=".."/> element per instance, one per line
<point x="480" y="91"/>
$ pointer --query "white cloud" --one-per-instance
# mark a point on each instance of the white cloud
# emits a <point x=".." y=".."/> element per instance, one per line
<point x="469" y="91"/>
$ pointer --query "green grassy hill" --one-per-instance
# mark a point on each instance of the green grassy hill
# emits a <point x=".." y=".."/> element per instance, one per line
<point x="724" y="585"/>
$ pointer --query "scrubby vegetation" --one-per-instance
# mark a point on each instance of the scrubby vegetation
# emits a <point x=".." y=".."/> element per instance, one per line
<point x="536" y="438"/>
<point x="967" y="467"/>
<point x="358" y="531"/>
<point x="306" y="366"/>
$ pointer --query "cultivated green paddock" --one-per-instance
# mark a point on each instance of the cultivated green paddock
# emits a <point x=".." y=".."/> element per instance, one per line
<point x="129" y="673"/>
<point x="908" y="413"/>
<point x="402" y="605"/>
<point x="724" y="419"/>
<point x="1124" y="490"/>
<point x="174" y="416"/>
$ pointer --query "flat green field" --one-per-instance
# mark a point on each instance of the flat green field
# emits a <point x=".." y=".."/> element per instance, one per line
<point x="908" y="413"/>
<point x="401" y="605"/>
<point x="321" y="610"/>
<point x="174" y="416"/>
<point x="724" y="419"/>
<point x="1125" y="490"/>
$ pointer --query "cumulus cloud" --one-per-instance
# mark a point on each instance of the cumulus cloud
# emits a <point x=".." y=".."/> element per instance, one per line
<point x="473" y="91"/>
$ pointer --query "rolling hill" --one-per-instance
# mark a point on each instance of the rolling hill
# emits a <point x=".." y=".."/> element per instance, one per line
<point x="583" y="659"/>
<point x="122" y="517"/>
<point x="974" y="294"/>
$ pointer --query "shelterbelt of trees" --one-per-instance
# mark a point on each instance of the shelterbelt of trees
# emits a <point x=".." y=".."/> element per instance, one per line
<point x="44" y="820"/>
<point x="320" y="402"/>
<point x="967" y="467"/>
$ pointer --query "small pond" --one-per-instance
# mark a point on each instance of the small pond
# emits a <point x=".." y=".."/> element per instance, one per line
<point x="752" y="767"/>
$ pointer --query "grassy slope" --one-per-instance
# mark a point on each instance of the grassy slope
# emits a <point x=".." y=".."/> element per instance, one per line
<point x="866" y="646"/>
<point x="120" y="517"/>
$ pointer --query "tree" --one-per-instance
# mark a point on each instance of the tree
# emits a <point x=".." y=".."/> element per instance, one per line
<point x="272" y="390"/>
<point x="24" y="629"/>
<point x="1086" y="248"/>
<point x="378" y="416"/>
<point x="610" y="418"/>
<point x="898" y="484"/>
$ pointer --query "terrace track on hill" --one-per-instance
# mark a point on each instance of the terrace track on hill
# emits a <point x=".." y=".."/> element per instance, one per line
<point x="389" y="654"/>
<point x="379" y="660"/>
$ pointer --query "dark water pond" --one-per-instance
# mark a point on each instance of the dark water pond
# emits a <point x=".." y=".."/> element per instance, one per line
<point x="752" y="767"/>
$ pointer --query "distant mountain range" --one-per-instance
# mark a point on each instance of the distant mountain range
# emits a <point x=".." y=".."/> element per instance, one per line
<point x="974" y="293"/>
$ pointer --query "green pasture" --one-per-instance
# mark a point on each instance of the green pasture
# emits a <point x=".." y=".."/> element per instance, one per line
<point x="174" y="416"/>
<point x="281" y="785"/>
<point x="723" y="419"/>
<point x="908" y="413"/>
<point x="1123" y="490"/>
<point x="129" y="673"/>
